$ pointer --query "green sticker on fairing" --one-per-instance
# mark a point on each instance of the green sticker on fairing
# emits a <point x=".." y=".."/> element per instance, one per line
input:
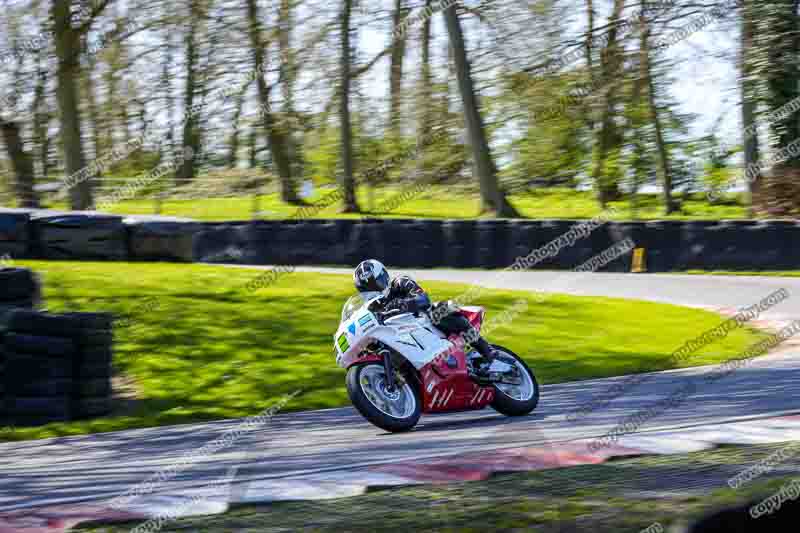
<point x="342" y="342"/>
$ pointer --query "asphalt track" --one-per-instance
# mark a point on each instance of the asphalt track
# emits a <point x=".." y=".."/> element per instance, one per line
<point x="98" y="467"/>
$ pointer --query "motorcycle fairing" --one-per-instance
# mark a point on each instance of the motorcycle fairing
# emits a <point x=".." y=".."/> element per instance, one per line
<point x="414" y="337"/>
<point x="446" y="385"/>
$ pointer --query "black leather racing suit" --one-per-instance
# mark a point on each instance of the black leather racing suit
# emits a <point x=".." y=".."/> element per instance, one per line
<point x="406" y="295"/>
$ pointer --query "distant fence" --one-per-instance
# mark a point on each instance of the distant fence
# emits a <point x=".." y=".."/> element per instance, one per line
<point x="669" y="245"/>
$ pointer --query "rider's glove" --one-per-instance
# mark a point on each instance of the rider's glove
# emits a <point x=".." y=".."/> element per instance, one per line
<point x="378" y="304"/>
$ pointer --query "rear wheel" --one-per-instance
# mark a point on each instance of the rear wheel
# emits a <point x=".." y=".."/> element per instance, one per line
<point x="397" y="410"/>
<point x="515" y="400"/>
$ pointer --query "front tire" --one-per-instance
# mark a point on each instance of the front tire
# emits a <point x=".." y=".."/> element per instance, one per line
<point x="516" y="401"/>
<point x="393" y="411"/>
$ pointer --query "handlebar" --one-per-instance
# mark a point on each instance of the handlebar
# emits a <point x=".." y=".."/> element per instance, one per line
<point x="383" y="315"/>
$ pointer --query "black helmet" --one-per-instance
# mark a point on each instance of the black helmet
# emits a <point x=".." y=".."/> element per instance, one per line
<point x="371" y="276"/>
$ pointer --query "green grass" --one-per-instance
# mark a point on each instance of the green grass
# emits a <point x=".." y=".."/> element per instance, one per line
<point x="600" y="498"/>
<point x="208" y="348"/>
<point x="437" y="202"/>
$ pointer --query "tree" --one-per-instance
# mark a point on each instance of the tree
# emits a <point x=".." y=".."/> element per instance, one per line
<point x="348" y="167"/>
<point x="645" y="72"/>
<point x="606" y="173"/>
<point x="777" y="39"/>
<point x="276" y="136"/>
<point x="22" y="163"/>
<point x="398" y="46"/>
<point x="233" y="154"/>
<point x="749" y="103"/>
<point x="425" y="103"/>
<point x="590" y="12"/>
<point x="492" y="196"/>
<point x="191" y="133"/>
<point x="68" y="37"/>
<point x="41" y="120"/>
<point x="289" y="75"/>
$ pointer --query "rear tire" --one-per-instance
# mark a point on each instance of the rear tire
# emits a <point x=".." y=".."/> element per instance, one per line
<point x="505" y="404"/>
<point x="370" y="411"/>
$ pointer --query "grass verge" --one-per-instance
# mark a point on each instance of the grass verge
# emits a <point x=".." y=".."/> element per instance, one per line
<point x="437" y="202"/>
<point x="197" y="344"/>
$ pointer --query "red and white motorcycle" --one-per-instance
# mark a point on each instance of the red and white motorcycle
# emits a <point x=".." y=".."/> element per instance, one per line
<point x="400" y="365"/>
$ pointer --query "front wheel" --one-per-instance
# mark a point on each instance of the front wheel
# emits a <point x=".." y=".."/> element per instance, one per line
<point x="515" y="400"/>
<point x="395" y="411"/>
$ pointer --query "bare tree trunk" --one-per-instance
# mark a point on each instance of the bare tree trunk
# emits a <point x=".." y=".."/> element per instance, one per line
<point x="233" y="155"/>
<point x="118" y="98"/>
<point x="492" y="196"/>
<point x="67" y="42"/>
<point x="91" y="105"/>
<point x="125" y="114"/>
<point x="41" y="119"/>
<point x="191" y="135"/>
<point x="253" y="140"/>
<point x="751" y="148"/>
<point x="348" y="178"/>
<point x="166" y="82"/>
<point x="590" y="58"/>
<point x="609" y="137"/>
<point x="636" y="125"/>
<point x="777" y="31"/>
<point x="426" y="92"/>
<point x="275" y="135"/>
<point x="286" y="22"/>
<point x="22" y="163"/>
<point x="663" y="168"/>
<point x="398" y="45"/>
<point x="110" y="110"/>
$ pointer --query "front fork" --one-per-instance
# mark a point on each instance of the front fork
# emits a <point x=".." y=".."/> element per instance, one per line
<point x="388" y="368"/>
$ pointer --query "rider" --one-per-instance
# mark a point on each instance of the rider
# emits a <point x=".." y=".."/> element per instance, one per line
<point x="403" y="293"/>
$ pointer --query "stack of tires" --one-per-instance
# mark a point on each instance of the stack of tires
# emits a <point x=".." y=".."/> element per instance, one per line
<point x="94" y="340"/>
<point x="58" y="367"/>
<point x="38" y="377"/>
<point x="19" y="288"/>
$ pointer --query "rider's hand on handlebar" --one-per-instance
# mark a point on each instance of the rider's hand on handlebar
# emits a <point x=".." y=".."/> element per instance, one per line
<point x="388" y="313"/>
<point x="377" y="305"/>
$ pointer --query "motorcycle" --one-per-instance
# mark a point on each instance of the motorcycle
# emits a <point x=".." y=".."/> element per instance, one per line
<point x="399" y="365"/>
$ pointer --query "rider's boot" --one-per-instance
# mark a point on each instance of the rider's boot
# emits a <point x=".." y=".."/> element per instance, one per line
<point x="488" y="354"/>
<point x="483" y="372"/>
